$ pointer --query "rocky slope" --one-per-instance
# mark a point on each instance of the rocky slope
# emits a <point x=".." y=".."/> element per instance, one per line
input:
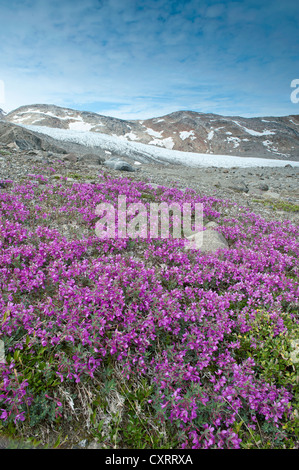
<point x="18" y="137"/>
<point x="269" y="137"/>
<point x="271" y="192"/>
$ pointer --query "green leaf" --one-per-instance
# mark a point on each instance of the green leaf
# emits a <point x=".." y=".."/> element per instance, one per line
<point x="16" y="355"/>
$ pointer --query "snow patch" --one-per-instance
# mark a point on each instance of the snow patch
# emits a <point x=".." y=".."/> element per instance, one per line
<point x="131" y="136"/>
<point x="154" y="133"/>
<point x="184" y="135"/>
<point x="168" y="143"/>
<point x="270" y="148"/>
<point x="68" y="116"/>
<point x="253" y="132"/>
<point x="80" y="126"/>
<point x="256" y="133"/>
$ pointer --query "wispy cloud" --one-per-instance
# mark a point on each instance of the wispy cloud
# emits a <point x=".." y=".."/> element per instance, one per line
<point x="131" y="58"/>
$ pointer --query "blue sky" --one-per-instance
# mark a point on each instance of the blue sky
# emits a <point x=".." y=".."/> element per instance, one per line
<point x="136" y="59"/>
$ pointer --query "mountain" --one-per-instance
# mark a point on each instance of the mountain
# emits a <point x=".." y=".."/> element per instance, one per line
<point x="2" y="113"/>
<point x="188" y="131"/>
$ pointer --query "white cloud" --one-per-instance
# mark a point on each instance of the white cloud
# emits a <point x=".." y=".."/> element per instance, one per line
<point x="145" y="60"/>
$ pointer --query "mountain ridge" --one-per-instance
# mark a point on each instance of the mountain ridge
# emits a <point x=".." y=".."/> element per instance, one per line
<point x="188" y="131"/>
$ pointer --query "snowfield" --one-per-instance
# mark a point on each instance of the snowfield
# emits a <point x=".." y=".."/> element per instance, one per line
<point x="126" y="148"/>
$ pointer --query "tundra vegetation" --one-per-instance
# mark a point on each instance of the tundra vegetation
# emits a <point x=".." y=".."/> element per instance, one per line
<point x="139" y="343"/>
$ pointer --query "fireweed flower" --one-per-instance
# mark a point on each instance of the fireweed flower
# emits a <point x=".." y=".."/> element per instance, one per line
<point x="174" y="317"/>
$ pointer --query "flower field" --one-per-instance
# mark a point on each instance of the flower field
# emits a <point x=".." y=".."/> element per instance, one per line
<point x="138" y="342"/>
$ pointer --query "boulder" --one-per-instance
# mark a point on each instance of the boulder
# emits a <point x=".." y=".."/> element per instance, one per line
<point x="207" y="241"/>
<point x="239" y="186"/>
<point x="119" y="165"/>
<point x="294" y="355"/>
<point x="2" y="353"/>
<point x="212" y="224"/>
<point x="263" y="187"/>
<point x="70" y="157"/>
<point x="23" y="144"/>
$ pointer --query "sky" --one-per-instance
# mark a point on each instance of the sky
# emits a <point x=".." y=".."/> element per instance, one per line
<point x="137" y="59"/>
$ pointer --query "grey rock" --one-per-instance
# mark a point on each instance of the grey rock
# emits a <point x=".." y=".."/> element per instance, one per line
<point x="2" y="353"/>
<point x="119" y="165"/>
<point x="123" y="166"/>
<point x="110" y="164"/>
<point x="32" y="153"/>
<point x="212" y="224"/>
<point x="239" y="186"/>
<point x="207" y="241"/>
<point x="23" y="144"/>
<point x="263" y="187"/>
<point x="16" y="137"/>
<point x="70" y="157"/>
<point x="294" y="355"/>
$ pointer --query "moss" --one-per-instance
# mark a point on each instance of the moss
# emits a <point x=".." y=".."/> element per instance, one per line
<point x="279" y="205"/>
